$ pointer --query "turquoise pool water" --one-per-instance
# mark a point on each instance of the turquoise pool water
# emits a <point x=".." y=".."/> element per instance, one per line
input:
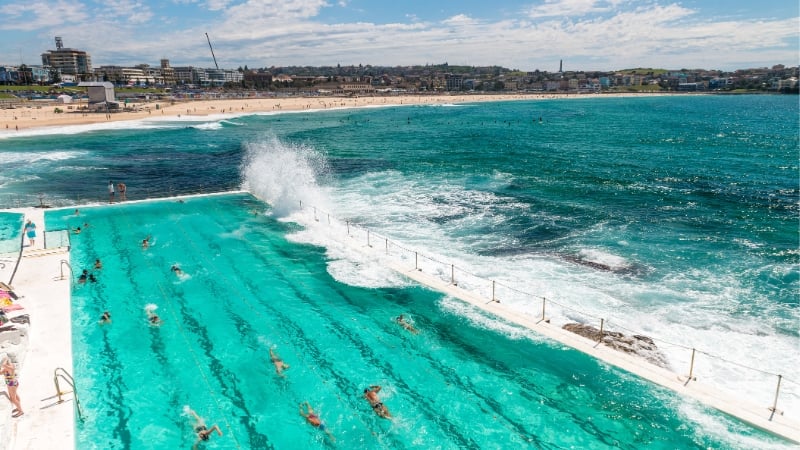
<point x="246" y="288"/>
<point x="10" y="229"/>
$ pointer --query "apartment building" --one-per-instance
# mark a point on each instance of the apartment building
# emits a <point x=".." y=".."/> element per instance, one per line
<point x="68" y="60"/>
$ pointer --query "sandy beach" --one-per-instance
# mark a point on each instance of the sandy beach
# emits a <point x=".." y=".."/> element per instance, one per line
<point x="38" y="115"/>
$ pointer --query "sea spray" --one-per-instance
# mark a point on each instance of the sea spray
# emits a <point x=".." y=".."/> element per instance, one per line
<point x="283" y="174"/>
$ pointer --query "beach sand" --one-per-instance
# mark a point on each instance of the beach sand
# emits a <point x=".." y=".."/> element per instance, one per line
<point x="38" y="115"/>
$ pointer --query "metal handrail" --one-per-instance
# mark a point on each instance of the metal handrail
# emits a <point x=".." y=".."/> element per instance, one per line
<point x="62" y="373"/>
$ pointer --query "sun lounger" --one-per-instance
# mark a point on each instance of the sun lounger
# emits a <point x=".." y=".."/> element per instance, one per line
<point x="8" y="290"/>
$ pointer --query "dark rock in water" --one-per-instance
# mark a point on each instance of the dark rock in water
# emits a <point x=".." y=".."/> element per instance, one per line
<point x="637" y="344"/>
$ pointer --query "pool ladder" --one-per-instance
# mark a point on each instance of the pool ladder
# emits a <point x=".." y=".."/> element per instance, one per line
<point x="61" y="373"/>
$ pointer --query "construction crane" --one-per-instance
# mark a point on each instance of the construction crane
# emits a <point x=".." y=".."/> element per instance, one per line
<point x="212" y="51"/>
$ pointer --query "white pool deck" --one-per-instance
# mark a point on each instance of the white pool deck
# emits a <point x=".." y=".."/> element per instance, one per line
<point x="46" y="298"/>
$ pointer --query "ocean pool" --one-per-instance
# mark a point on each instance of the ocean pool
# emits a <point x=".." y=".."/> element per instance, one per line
<point x="246" y="288"/>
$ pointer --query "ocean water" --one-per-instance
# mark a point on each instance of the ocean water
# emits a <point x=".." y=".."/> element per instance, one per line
<point x="674" y="217"/>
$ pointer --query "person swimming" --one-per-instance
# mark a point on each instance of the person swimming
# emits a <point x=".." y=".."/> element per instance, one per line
<point x="152" y="317"/>
<point x="405" y="324"/>
<point x="105" y="318"/>
<point x="314" y="419"/>
<point x="177" y="270"/>
<point x="276" y="360"/>
<point x="201" y="430"/>
<point x="371" y="394"/>
<point x="84" y="276"/>
<point x="97" y="264"/>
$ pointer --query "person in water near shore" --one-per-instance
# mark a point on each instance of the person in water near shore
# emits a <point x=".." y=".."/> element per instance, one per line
<point x="201" y="430"/>
<point x="371" y="394"/>
<point x="276" y="360"/>
<point x="313" y="419"/>
<point x="404" y="323"/>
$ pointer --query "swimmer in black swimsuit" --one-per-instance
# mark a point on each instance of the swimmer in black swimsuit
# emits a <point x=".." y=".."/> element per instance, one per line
<point x="380" y="409"/>
<point x="203" y="432"/>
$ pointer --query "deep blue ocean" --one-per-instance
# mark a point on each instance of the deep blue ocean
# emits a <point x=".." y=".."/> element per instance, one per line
<point x="673" y="217"/>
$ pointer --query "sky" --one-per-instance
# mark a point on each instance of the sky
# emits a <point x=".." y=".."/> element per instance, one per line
<point x="527" y="35"/>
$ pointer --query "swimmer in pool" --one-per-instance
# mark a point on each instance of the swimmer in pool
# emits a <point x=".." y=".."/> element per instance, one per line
<point x="176" y="269"/>
<point x="371" y="394"/>
<point x="276" y="360"/>
<point x="146" y="242"/>
<point x="105" y="318"/>
<point x="152" y="317"/>
<point x="313" y="419"/>
<point x="404" y="323"/>
<point x="97" y="264"/>
<point x="201" y="430"/>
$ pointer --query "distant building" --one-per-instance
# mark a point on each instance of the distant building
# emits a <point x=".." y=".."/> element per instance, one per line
<point x="454" y="82"/>
<point x="68" y="60"/>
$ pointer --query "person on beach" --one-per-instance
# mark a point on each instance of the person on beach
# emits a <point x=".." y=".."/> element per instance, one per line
<point x="105" y="318"/>
<point x="110" y="191"/>
<point x="201" y="430"/>
<point x="404" y="323"/>
<point x="121" y="188"/>
<point x="10" y="374"/>
<point x="276" y="360"/>
<point x="30" y="231"/>
<point x="371" y="394"/>
<point x="313" y="419"/>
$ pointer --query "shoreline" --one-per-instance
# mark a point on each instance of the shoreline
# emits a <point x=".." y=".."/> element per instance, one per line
<point x="37" y="116"/>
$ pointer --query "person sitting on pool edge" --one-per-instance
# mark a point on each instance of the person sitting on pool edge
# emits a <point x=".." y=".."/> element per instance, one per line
<point x="200" y="428"/>
<point x="313" y="419"/>
<point x="276" y="360"/>
<point x="371" y="394"/>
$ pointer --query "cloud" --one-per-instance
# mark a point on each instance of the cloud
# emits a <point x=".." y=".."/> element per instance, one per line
<point x="570" y="8"/>
<point x="131" y="11"/>
<point x="586" y="34"/>
<point x="34" y="15"/>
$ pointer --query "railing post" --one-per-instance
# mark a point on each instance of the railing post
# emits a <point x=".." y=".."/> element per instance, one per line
<point x="601" y="330"/>
<point x="368" y="239"/>
<point x="452" y="274"/>
<point x="387" y="245"/>
<point x="315" y="214"/>
<point x="774" y="408"/>
<point x="691" y="365"/>
<point x="348" y="227"/>
<point x="301" y="204"/>
<point x="493" y="299"/>
<point x="329" y="219"/>
<point x="416" y="261"/>
<point x="544" y="300"/>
